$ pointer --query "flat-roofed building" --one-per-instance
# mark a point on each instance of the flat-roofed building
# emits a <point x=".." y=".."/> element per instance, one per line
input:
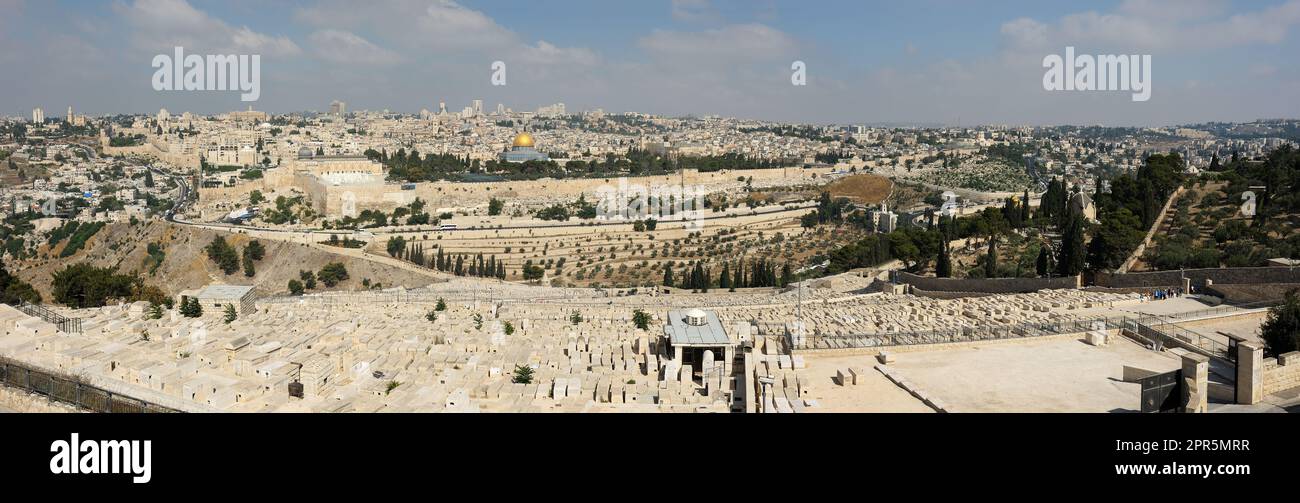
<point x="697" y="338"/>
<point x="217" y="296"/>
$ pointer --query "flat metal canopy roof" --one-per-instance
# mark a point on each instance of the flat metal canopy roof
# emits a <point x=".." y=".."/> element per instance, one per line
<point x="682" y="334"/>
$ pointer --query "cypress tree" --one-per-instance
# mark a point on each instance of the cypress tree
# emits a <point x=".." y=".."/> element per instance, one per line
<point x="944" y="268"/>
<point x="991" y="260"/>
<point x="1043" y="263"/>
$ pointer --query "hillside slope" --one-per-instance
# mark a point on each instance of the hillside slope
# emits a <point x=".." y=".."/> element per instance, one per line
<point x="187" y="266"/>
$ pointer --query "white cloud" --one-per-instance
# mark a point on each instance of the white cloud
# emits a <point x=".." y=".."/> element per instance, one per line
<point x="746" y="42"/>
<point x="440" y="27"/>
<point x="1024" y="32"/>
<point x="692" y="10"/>
<point x="447" y="25"/>
<point x="159" y="25"/>
<point x="1174" y="9"/>
<point x="545" y="53"/>
<point x="343" y="47"/>
<point x="1156" y="25"/>
<point x="1262" y="70"/>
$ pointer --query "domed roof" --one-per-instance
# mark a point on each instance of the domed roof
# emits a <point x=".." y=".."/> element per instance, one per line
<point x="524" y="140"/>
<point x="696" y="317"/>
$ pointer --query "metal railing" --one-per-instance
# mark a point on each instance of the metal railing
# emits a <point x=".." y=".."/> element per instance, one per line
<point x="1163" y="333"/>
<point x="1218" y="311"/>
<point x="964" y="334"/>
<point x="72" y="391"/>
<point x="66" y="325"/>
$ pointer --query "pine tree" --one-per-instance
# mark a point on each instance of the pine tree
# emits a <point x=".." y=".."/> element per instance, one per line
<point x="641" y="319"/>
<point x="523" y="374"/>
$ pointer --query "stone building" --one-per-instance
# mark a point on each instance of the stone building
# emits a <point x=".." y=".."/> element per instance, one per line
<point x="697" y="340"/>
<point x="215" y="297"/>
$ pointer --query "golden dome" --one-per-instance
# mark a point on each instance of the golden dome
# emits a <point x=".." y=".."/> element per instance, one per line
<point x="524" y="140"/>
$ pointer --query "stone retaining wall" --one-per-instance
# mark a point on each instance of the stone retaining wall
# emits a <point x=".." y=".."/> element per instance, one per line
<point x="1282" y="373"/>
<point x="16" y="400"/>
<point x="1228" y="276"/>
<point x="994" y="286"/>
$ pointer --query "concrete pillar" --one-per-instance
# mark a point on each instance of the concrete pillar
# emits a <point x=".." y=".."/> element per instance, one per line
<point x="1250" y="373"/>
<point x="1196" y="382"/>
<point x="677" y="355"/>
<point x="728" y="356"/>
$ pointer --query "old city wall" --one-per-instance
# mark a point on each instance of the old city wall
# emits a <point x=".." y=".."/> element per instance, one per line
<point x="329" y="199"/>
<point x="153" y="149"/>
<point x="451" y="194"/>
<point x="236" y="192"/>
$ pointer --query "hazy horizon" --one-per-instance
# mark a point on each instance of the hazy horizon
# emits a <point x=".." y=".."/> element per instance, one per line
<point x="929" y="62"/>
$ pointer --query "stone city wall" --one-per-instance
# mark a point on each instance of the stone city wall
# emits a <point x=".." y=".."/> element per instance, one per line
<point x="152" y="149"/>
<point x="329" y="199"/>
<point x="449" y="194"/>
<point x="237" y="192"/>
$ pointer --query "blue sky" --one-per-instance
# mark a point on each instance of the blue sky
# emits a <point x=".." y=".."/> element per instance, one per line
<point x="920" y="61"/>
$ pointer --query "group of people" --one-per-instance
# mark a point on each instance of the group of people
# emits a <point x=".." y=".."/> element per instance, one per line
<point x="1165" y="293"/>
